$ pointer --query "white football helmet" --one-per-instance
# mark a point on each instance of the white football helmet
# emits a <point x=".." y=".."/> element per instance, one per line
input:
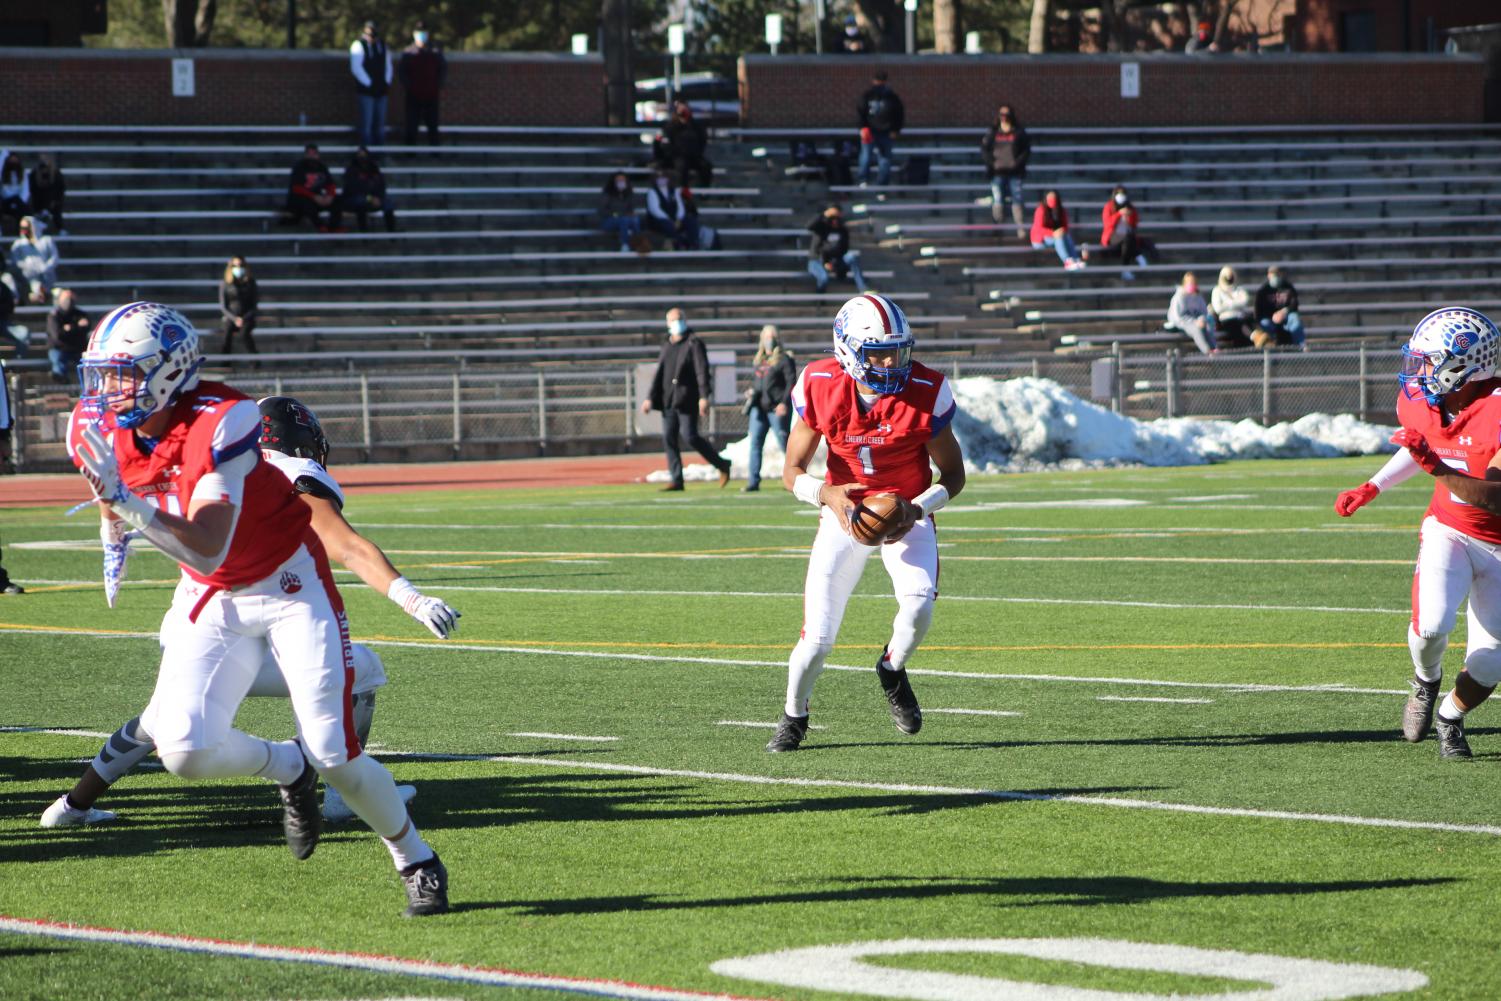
<point x="1448" y="348"/>
<point x="144" y="353"/>
<point x="871" y="324"/>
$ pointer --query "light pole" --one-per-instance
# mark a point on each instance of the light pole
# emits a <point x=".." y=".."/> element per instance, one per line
<point x="675" y="46"/>
<point x="911" y="6"/>
<point x="818" y="16"/>
<point x="773" y="31"/>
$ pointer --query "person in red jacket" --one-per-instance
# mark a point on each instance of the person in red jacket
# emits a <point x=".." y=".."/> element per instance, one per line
<point x="424" y="72"/>
<point x="311" y="190"/>
<point x="1121" y="222"/>
<point x="1050" y="229"/>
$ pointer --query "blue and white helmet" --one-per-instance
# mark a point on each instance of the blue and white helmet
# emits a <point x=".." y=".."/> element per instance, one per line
<point x="1449" y="348"/>
<point x="142" y="353"/>
<point x="872" y="324"/>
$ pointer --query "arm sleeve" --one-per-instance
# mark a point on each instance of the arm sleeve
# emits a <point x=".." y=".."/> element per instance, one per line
<point x="1023" y="150"/>
<point x="237" y="433"/>
<point x="899" y="118"/>
<point x="800" y="400"/>
<point x="389" y="67"/>
<point x="357" y="63"/>
<point x="1292" y="301"/>
<point x="944" y="408"/>
<point x="442" y="70"/>
<point x="1175" y="310"/>
<point x="1398" y="469"/>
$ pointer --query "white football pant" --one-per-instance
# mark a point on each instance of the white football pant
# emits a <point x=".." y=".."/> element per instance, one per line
<point x="1452" y="565"/>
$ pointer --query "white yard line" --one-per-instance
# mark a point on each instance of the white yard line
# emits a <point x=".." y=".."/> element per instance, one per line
<point x="758" y="724"/>
<point x="564" y="736"/>
<point x="56" y="731"/>
<point x="973" y="712"/>
<point x="1150" y="698"/>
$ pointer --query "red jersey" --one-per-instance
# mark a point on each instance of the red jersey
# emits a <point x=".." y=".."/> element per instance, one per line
<point x="1468" y="443"/>
<point x="210" y="425"/>
<point x="885" y="446"/>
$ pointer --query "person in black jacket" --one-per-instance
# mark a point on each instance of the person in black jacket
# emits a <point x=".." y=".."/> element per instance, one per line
<point x="47" y="191"/>
<point x="239" y="303"/>
<point x="67" y="336"/>
<point x="684" y="143"/>
<point x="365" y="192"/>
<point x="1006" y="148"/>
<point x="311" y="190"/>
<point x="768" y="402"/>
<point x="1277" y="319"/>
<point x="680" y="388"/>
<point x="829" y="253"/>
<point x="881" y="119"/>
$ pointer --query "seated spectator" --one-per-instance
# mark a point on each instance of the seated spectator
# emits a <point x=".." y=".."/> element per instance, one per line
<point x="1230" y="306"/>
<point x="1277" y="320"/>
<point x="311" y="190"/>
<point x="1189" y="314"/>
<point x="667" y="213"/>
<point x="67" y="335"/>
<point x="829" y="253"/>
<point x="853" y="43"/>
<point x="365" y="192"/>
<point x="1050" y="229"/>
<point x="20" y="335"/>
<point x="47" y="190"/>
<point x="617" y="211"/>
<point x="239" y="305"/>
<point x="684" y="144"/>
<point x="34" y="256"/>
<point x="15" y="188"/>
<point x="1121" y="222"/>
<point x="1006" y="149"/>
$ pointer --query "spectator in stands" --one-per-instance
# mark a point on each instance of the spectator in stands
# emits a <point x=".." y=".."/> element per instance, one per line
<point x="684" y="143"/>
<point x="423" y="69"/>
<point x="853" y="43"/>
<point x="239" y="305"/>
<point x="47" y="190"/>
<point x="667" y="213"/>
<point x="1277" y="320"/>
<point x="768" y="401"/>
<point x="1189" y="314"/>
<point x="680" y="388"/>
<point x="67" y="335"/>
<point x="1006" y="148"/>
<point x="365" y="192"/>
<point x="34" y="255"/>
<point x="370" y="64"/>
<point x="617" y="211"/>
<point x="311" y="190"/>
<point x="1050" y="229"/>
<point x="829" y="253"/>
<point x="8" y="298"/>
<point x="15" y="188"/>
<point x="1230" y="305"/>
<point x="1203" y="40"/>
<point x="881" y="119"/>
<point x="1121" y="221"/>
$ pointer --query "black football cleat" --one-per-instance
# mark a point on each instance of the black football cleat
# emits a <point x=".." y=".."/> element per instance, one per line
<point x="1417" y="714"/>
<point x="904" y="709"/>
<point x="426" y="884"/>
<point x="301" y="820"/>
<point x="790" y="733"/>
<point x="1451" y="739"/>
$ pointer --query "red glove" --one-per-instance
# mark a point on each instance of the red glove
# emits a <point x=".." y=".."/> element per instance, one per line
<point x="866" y="136"/>
<point x="1422" y="453"/>
<point x="1350" y="501"/>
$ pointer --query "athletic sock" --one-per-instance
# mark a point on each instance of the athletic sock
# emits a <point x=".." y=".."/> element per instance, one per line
<point x="1450" y="711"/>
<point x="408" y="850"/>
<point x="284" y="762"/>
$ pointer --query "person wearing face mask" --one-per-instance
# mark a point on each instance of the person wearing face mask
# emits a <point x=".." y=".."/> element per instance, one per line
<point x="1230" y="305"/>
<point x="47" y="191"/>
<point x="829" y="253"/>
<point x="67" y="336"/>
<point x="423" y="69"/>
<point x="680" y="389"/>
<point x="1050" y="229"/>
<point x="853" y="42"/>
<point x="669" y="212"/>
<point x="15" y="187"/>
<point x="1120" y="222"/>
<point x="370" y="65"/>
<point x="34" y="255"/>
<point x="239" y="305"/>
<point x="684" y="143"/>
<point x="365" y="192"/>
<point x="1188" y="313"/>
<point x="1277" y="320"/>
<point x="617" y="212"/>
<point x="768" y="400"/>
<point x="311" y="191"/>
<point x="1006" y="149"/>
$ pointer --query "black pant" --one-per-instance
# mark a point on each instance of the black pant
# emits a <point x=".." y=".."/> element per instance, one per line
<point x="682" y="166"/>
<point x="1231" y="334"/>
<point x="1125" y="240"/>
<point x="422" y="113"/>
<point x="246" y="331"/>
<point x="685" y="423"/>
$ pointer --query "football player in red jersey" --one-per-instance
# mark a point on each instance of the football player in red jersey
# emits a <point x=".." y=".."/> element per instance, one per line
<point x="177" y="460"/>
<point x="884" y="417"/>
<point x="1450" y="412"/>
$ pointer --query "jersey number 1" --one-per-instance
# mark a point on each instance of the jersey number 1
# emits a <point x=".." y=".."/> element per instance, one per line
<point x="865" y="463"/>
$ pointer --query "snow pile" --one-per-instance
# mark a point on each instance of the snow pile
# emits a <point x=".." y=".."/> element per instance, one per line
<point x="1025" y="424"/>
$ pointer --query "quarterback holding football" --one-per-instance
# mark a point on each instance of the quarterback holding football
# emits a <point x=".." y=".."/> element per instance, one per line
<point x="884" y="417"/>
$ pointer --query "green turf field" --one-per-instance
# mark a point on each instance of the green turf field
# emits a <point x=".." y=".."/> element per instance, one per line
<point x="1181" y="692"/>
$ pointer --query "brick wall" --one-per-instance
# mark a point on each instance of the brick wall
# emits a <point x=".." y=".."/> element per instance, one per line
<point x="1271" y="88"/>
<point x="272" y="87"/>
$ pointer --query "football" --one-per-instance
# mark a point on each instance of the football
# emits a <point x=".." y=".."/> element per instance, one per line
<point x="875" y="518"/>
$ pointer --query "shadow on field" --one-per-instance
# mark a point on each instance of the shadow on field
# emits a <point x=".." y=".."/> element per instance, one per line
<point x="1068" y="891"/>
<point x="1383" y="736"/>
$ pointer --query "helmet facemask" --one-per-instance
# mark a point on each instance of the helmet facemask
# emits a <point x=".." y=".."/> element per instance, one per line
<point x="1449" y="348"/>
<point x="889" y="380"/>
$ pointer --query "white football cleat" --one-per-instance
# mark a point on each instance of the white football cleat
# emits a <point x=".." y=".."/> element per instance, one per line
<point x="336" y="811"/>
<point x="60" y="814"/>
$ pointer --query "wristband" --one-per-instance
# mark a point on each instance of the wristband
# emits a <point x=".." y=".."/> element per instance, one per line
<point x="806" y="488"/>
<point x="932" y="499"/>
<point x="134" y="511"/>
<point x="401" y="590"/>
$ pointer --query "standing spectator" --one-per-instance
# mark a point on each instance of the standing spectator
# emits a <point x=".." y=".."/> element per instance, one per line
<point x="768" y="402"/>
<point x="667" y="212"/>
<point x="370" y="64"/>
<point x="239" y="305"/>
<point x="1120" y="221"/>
<point x="34" y="255"/>
<point x="881" y="119"/>
<point x="680" y="389"/>
<point x="1007" y="148"/>
<point x="1188" y="313"/>
<point x="311" y="190"/>
<point x="47" y="190"/>
<point x="1230" y="305"/>
<point x="685" y="141"/>
<point x="8" y="298"/>
<point x="829" y="253"/>
<point x="424" y="73"/>
<point x="15" y="188"/>
<point x="67" y="336"/>
<point x="617" y="211"/>
<point x="1050" y="229"/>
<point x="365" y="192"/>
<point x="853" y="42"/>
<point x="1277" y="319"/>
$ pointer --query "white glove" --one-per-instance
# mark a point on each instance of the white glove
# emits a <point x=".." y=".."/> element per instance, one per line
<point x="116" y="536"/>
<point x="431" y="612"/>
<point x="102" y="470"/>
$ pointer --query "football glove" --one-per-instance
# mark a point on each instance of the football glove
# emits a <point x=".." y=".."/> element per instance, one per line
<point x="102" y="470"/>
<point x="1350" y="501"/>
<point x="115" y="536"/>
<point x="1422" y="453"/>
<point x="434" y="613"/>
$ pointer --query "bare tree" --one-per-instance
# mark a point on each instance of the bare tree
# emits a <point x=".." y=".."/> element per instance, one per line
<point x="882" y="21"/>
<point x="1037" y="34"/>
<point x="1222" y="23"/>
<point x="620" y="87"/>
<point x="948" y="26"/>
<point x="189" y="22"/>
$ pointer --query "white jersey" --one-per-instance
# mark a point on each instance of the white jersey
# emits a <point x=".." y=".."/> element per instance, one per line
<point x="298" y="469"/>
